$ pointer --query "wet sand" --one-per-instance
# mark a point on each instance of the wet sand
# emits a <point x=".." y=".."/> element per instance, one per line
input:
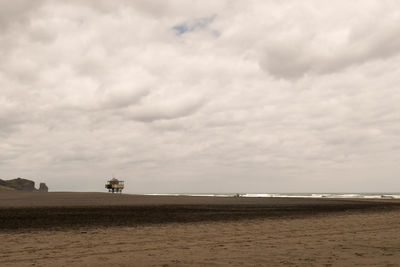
<point x="86" y="229"/>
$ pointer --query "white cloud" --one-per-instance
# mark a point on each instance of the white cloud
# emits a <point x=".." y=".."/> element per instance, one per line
<point x="251" y="96"/>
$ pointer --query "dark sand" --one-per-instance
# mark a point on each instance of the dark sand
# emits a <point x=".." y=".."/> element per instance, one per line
<point x="19" y="210"/>
<point x="75" y="229"/>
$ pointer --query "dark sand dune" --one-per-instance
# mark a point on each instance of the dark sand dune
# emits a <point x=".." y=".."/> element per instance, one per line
<point x="21" y="210"/>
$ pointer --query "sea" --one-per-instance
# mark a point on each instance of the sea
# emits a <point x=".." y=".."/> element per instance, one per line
<point x="377" y="195"/>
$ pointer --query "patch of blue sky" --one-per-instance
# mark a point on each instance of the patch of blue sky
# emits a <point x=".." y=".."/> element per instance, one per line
<point x="181" y="28"/>
<point x="194" y="25"/>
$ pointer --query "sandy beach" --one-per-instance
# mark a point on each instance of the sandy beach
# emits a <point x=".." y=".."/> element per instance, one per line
<point x="275" y="123"/>
<point x="87" y="229"/>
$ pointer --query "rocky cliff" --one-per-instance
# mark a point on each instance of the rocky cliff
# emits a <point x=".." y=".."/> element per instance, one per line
<point x="43" y="188"/>
<point x="22" y="184"/>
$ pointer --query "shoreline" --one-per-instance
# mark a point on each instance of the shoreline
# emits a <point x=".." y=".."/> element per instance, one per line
<point x="74" y="210"/>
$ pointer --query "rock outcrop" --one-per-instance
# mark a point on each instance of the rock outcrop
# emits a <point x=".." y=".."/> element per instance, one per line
<point x="5" y="188"/>
<point x="43" y="188"/>
<point x="2" y="183"/>
<point x="22" y="184"/>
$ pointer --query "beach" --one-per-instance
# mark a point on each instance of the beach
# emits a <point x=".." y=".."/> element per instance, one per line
<point x="88" y="229"/>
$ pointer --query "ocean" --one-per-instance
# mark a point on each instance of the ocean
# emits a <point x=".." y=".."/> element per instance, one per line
<point x="380" y="195"/>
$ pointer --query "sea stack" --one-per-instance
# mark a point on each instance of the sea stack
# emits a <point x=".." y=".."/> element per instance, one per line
<point x="43" y="188"/>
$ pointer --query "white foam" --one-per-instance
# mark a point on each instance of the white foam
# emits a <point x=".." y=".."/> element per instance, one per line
<point x="299" y="195"/>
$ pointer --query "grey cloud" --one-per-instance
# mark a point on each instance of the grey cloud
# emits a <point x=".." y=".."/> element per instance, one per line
<point x="8" y="126"/>
<point x="287" y="62"/>
<point x="292" y="58"/>
<point x="11" y="117"/>
<point x="166" y="110"/>
<point x="82" y="154"/>
<point x="118" y="100"/>
<point x="106" y="7"/>
<point x="292" y="64"/>
<point x="16" y="11"/>
<point x="8" y="154"/>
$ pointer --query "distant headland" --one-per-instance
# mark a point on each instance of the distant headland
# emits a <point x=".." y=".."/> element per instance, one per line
<point x="21" y="184"/>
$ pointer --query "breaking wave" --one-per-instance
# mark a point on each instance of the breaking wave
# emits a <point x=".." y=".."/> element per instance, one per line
<point x="293" y="195"/>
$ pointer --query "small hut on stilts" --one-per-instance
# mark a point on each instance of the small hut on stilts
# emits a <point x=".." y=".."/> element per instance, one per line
<point x="114" y="185"/>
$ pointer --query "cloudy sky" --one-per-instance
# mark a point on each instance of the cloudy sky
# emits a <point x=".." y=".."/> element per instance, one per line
<point x="201" y="96"/>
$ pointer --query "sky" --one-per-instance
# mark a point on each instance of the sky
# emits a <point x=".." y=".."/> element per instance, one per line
<point x="201" y="96"/>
